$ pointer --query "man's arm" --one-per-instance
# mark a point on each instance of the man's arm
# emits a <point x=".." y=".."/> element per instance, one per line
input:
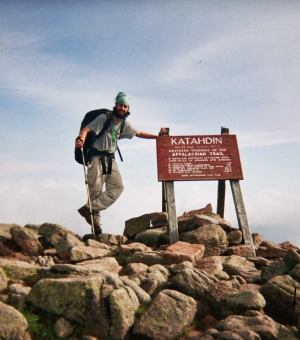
<point x="81" y="137"/>
<point x="149" y="136"/>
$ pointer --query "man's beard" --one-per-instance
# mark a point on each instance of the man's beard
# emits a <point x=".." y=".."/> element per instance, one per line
<point x="116" y="113"/>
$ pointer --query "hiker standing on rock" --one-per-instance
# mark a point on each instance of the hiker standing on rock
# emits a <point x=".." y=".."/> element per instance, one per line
<point x="104" y="129"/>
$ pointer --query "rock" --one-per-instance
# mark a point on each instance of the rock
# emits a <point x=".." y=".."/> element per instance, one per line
<point x="18" y="270"/>
<point x="63" y="328"/>
<point x="257" y="240"/>
<point x="3" y="281"/>
<point x="152" y="237"/>
<point x="85" y="268"/>
<point x="288" y="245"/>
<point x="133" y="269"/>
<point x="7" y="244"/>
<point x="234" y="237"/>
<point x="123" y="305"/>
<point x="270" y="249"/>
<point x="279" y="295"/>
<point x="136" y="225"/>
<point x="159" y="219"/>
<point x="262" y="325"/>
<point x="183" y="251"/>
<point x="193" y="282"/>
<point x="295" y="273"/>
<point x="203" y="220"/>
<point x="236" y="265"/>
<point x="142" y="296"/>
<point x="291" y="259"/>
<point x="160" y="321"/>
<point x="110" y="239"/>
<point x="27" y="241"/>
<point x="45" y="261"/>
<point x="149" y="258"/>
<point x="13" y="324"/>
<point x="65" y="245"/>
<point x="81" y="253"/>
<point x="213" y="237"/>
<point x="177" y="268"/>
<point x="129" y="249"/>
<point x="238" y="303"/>
<point x="208" y="322"/>
<point x="106" y="263"/>
<point x="84" y="299"/>
<point x="186" y="221"/>
<point x="242" y="250"/>
<point x="155" y="279"/>
<point x="17" y="294"/>
<point x="33" y="227"/>
<point x="52" y="233"/>
<point x="259" y="262"/>
<point x="274" y="269"/>
<point x="96" y="244"/>
<point x="210" y="264"/>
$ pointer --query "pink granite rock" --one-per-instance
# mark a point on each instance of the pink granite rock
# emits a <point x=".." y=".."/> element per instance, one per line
<point x="183" y="251"/>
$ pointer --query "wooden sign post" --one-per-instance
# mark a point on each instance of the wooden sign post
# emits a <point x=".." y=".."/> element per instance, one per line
<point x="194" y="158"/>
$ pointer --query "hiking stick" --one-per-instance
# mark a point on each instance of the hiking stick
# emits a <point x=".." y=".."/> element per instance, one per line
<point x="88" y="192"/>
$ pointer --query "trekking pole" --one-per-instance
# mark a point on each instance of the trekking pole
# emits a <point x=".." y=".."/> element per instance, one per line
<point x="88" y="192"/>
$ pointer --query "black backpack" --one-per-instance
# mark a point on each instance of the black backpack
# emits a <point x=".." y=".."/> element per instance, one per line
<point x="91" y="136"/>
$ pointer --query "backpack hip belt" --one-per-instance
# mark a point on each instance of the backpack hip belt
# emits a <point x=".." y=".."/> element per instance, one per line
<point x="103" y="155"/>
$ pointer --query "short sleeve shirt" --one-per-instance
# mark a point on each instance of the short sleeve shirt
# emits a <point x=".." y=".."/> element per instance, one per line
<point x="105" y="141"/>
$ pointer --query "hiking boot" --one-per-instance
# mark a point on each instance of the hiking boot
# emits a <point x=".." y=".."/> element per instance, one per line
<point x="84" y="212"/>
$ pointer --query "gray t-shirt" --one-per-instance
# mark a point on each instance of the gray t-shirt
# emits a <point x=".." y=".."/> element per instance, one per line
<point x="105" y="142"/>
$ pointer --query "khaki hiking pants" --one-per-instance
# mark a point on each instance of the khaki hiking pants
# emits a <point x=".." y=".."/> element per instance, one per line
<point x="113" y="184"/>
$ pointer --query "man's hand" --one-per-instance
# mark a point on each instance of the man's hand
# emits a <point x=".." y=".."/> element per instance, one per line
<point x="162" y="131"/>
<point x="79" y="142"/>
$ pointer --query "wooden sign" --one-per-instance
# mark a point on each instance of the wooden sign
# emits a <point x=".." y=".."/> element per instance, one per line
<point x="182" y="158"/>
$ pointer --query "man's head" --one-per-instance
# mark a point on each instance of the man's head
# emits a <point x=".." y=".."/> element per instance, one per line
<point x="121" y="109"/>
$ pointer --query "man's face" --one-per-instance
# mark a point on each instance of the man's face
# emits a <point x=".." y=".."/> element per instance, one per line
<point x="122" y="109"/>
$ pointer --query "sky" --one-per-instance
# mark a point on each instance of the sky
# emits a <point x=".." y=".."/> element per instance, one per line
<point x="61" y="59"/>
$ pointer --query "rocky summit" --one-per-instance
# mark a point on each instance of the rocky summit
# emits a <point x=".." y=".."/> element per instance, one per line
<point x="207" y="286"/>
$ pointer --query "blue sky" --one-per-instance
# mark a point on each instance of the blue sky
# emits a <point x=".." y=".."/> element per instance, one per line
<point x="60" y="59"/>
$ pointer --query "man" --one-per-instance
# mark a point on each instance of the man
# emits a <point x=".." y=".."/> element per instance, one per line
<point x="103" y="168"/>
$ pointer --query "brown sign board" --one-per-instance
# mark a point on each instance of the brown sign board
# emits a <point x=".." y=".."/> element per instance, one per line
<point x="196" y="158"/>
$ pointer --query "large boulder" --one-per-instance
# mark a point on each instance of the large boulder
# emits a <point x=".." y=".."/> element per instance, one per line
<point x="65" y="245"/>
<point x="149" y="258"/>
<point x="152" y="237"/>
<point x="131" y="248"/>
<point x="193" y="282"/>
<point x="213" y="237"/>
<point x="203" y="220"/>
<point x="106" y="263"/>
<point x="18" y="270"/>
<point x="239" y="303"/>
<point x="273" y="269"/>
<point x="123" y="304"/>
<point x="160" y="321"/>
<point x="27" y="241"/>
<point x="85" y="268"/>
<point x="279" y="295"/>
<point x="270" y="249"/>
<point x="159" y="219"/>
<point x="81" y="253"/>
<point x="7" y="244"/>
<point x="291" y="259"/>
<point x="52" y="233"/>
<point x="236" y="265"/>
<point x="183" y="251"/>
<point x="155" y="279"/>
<point x="90" y="301"/>
<point x="136" y="225"/>
<point x="13" y="324"/>
<point x="186" y="221"/>
<point x="262" y="325"/>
